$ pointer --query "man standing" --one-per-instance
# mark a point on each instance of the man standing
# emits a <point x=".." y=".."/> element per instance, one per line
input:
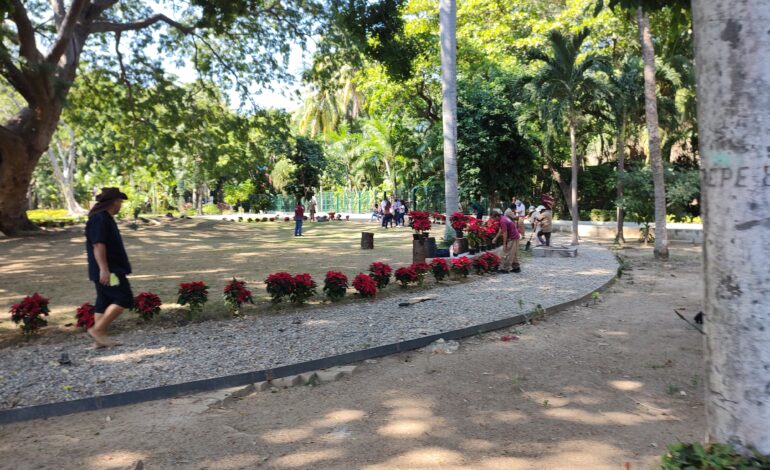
<point x="510" y="237"/>
<point x="398" y="212"/>
<point x="521" y="208"/>
<point x="311" y="206"/>
<point x="299" y="216"/>
<point x="108" y="264"/>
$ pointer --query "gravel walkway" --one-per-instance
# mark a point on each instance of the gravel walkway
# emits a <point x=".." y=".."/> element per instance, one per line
<point x="31" y="375"/>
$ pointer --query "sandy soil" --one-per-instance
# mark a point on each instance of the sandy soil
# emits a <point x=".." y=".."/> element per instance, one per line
<point x="597" y="386"/>
<point x="54" y="264"/>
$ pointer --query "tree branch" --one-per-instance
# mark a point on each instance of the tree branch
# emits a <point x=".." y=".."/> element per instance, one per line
<point x="59" y="12"/>
<point x="65" y="31"/>
<point x="110" y="27"/>
<point x="15" y="76"/>
<point x="27" y="42"/>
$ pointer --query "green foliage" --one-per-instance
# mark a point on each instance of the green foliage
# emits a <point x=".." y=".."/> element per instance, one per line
<point x="211" y="209"/>
<point x="49" y="217"/>
<point x="308" y="160"/>
<point x="639" y="198"/>
<point x="713" y="457"/>
<point x="238" y="193"/>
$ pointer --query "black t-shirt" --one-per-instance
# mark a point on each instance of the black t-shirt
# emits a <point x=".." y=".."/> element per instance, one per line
<point x="101" y="228"/>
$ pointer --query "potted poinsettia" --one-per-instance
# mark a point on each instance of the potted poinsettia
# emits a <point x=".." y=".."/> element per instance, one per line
<point x="194" y="294"/>
<point x="459" y="221"/>
<point x="420" y="222"/>
<point x="335" y="285"/>
<point x="28" y="313"/>
<point x="85" y="316"/>
<point x="147" y="305"/>
<point x="439" y="268"/>
<point x="235" y="295"/>
<point x="365" y="285"/>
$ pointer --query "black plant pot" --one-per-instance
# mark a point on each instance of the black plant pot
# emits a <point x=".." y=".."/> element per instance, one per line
<point x="458" y="233"/>
<point x="472" y="251"/>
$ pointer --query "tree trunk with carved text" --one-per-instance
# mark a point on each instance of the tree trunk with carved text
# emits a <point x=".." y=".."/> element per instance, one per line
<point x="732" y="55"/>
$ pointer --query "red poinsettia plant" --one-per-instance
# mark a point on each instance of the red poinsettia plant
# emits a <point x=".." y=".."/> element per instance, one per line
<point x="439" y="268"/>
<point x="438" y="217"/>
<point x="421" y="268"/>
<point x="304" y="288"/>
<point x="365" y="285"/>
<point x="406" y="275"/>
<point x="480" y="265"/>
<point x="85" y="316"/>
<point x="492" y="260"/>
<point x="280" y="285"/>
<point x="194" y="294"/>
<point x="335" y="285"/>
<point x="147" y="305"/>
<point x="461" y="266"/>
<point x="380" y="272"/>
<point x="476" y="232"/>
<point x="420" y="221"/>
<point x="28" y="313"/>
<point x="458" y="220"/>
<point x="492" y="226"/>
<point x="235" y="295"/>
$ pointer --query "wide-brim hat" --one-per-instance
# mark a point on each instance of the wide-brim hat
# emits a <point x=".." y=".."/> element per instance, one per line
<point x="109" y="194"/>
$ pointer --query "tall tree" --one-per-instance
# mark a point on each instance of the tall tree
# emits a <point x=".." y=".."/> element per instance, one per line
<point x="448" y="37"/>
<point x="214" y="33"/>
<point x="732" y="57"/>
<point x="569" y="87"/>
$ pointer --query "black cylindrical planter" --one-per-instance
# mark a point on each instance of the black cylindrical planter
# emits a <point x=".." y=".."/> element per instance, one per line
<point x="431" y="247"/>
<point x="458" y="233"/>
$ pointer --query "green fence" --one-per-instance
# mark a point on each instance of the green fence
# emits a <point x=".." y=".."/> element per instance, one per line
<point x="361" y="202"/>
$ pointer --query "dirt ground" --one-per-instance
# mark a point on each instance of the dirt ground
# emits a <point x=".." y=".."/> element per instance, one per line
<point x="603" y="385"/>
<point x="162" y="256"/>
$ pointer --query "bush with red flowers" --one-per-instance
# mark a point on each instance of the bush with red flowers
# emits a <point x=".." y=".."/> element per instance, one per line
<point x="304" y="288"/>
<point x="420" y="221"/>
<point x="439" y="268"/>
<point x="85" y="316"/>
<point x="280" y="285"/>
<point x="380" y="272"/>
<point x="492" y="260"/>
<point x="335" y="285"/>
<point x="235" y="295"/>
<point x="147" y="305"/>
<point x="438" y="217"/>
<point x="458" y="220"/>
<point x="492" y="226"/>
<point x="480" y="265"/>
<point x="285" y="219"/>
<point x="476" y="233"/>
<point x="406" y="275"/>
<point x="461" y="266"/>
<point x="365" y="285"/>
<point x="27" y="313"/>
<point x="194" y="294"/>
<point x="421" y="268"/>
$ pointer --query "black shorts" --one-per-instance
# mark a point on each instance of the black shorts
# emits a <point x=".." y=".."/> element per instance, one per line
<point x="119" y="295"/>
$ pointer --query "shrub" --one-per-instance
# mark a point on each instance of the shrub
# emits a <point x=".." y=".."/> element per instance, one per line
<point x="421" y="268"/>
<point x="27" y="313"/>
<point x="85" y="316"/>
<point x="147" y="305"/>
<point x="406" y="275"/>
<point x="461" y="266"/>
<point x="280" y="285"/>
<point x="365" y="285"/>
<point x="235" y="295"/>
<point x="194" y="294"/>
<point x="304" y="288"/>
<point x="458" y="220"/>
<point x="335" y="285"/>
<point x="420" y="221"/>
<point x="713" y="456"/>
<point x="492" y="260"/>
<point x="264" y="219"/>
<point x="439" y="268"/>
<point x="211" y="209"/>
<point x="380" y="272"/>
<point x="285" y="219"/>
<point x="480" y="265"/>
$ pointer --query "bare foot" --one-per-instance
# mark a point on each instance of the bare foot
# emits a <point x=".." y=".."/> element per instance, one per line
<point x="100" y="340"/>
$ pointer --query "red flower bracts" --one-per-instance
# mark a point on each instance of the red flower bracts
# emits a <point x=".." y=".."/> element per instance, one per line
<point x="420" y="221"/>
<point x="492" y="261"/>
<point x="280" y="285"/>
<point x="458" y="220"/>
<point x="421" y="268"/>
<point x="85" y="316"/>
<point x="480" y="266"/>
<point x="406" y="276"/>
<point x="235" y="295"/>
<point x="380" y="272"/>
<point x="146" y="305"/>
<point x="365" y="285"/>
<point x="461" y="266"/>
<point x="304" y="288"/>
<point x="335" y="285"/>
<point x="439" y="268"/>
<point x="194" y="294"/>
<point x="28" y="313"/>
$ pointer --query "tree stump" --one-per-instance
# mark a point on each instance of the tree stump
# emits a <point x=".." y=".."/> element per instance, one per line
<point x="419" y="250"/>
<point x="367" y="240"/>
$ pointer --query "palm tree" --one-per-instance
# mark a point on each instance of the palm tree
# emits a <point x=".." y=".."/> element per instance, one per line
<point x="651" y="113"/>
<point x="447" y="12"/>
<point x="380" y="145"/>
<point x="568" y="86"/>
<point x="626" y="104"/>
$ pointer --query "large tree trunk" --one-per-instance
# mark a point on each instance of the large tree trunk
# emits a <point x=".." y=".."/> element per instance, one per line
<point x="651" y="114"/>
<point x="447" y="34"/>
<point x="732" y="56"/>
<point x="621" y="149"/>
<point x="573" y="206"/>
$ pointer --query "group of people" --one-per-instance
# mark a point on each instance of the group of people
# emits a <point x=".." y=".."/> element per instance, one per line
<point x="512" y="228"/>
<point x="390" y="212"/>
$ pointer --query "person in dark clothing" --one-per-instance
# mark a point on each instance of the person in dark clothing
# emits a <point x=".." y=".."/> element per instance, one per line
<point x="478" y="208"/>
<point x="108" y="264"/>
<point x="299" y="216"/>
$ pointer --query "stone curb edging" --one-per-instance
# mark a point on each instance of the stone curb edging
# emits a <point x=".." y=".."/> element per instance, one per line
<point x="50" y="410"/>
